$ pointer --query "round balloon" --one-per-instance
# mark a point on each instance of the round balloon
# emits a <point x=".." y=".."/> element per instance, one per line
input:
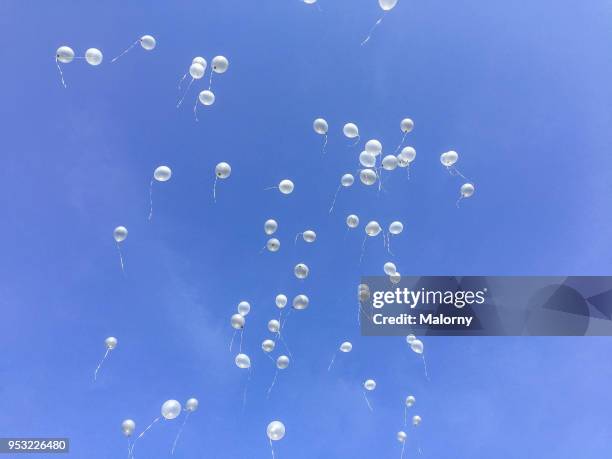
<point x="346" y="347"/>
<point x="243" y="308"/>
<point x="350" y="130"/>
<point x="401" y="436"/>
<point x="387" y="5"/>
<point x="389" y="268"/>
<point x="416" y="420"/>
<point x="449" y="158"/>
<point x="281" y="301"/>
<point x="162" y="174"/>
<point x="242" y="361"/>
<point x="237" y="321"/>
<point x="370" y="385"/>
<point x="347" y="180"/>
<point x="372" y="229"/>
<point x="127" y="427"/>
<point x="410" y="339"/>
<point x="171" y="409"/>
<point x="192" y="404"/>
<point x="408" y="153"/>
<point x="64" y="54"/>
<point x="93" y="56"/>
<point x="148" y="42"/>
<point x="268" y="345"/>
<point x="223" y="170"/>
<point x="110" y="342"/>
<point x="417" y="346"/>
<point x="300" y="302"/>
<point x="200" y="60"/>
<point x="206" y="97"/>
<point x="274" y="326"/>
<point x="320" y="126"/>
<point x="368" y="176"/>
<point x="309" y="236"/>
<point x="373" y="147"/>
<point x="352" y="221"/>
<point x="406" y="125"/>
<point x="410" y="400"/>
<point x="275" y="430"/>
<point x="273" y="244"/>
<point x="270" y="227"/>
<point x="467" y="190"/>
<point x="196" y="70"/>
<point x="301" y="271"/>
<point x="395" y="278"/>
<point x="286" y="186"/>
<point x="367" y="159"/>
<point x="120" y="233"/>
<point x="220" y="64"/>
<point x="389" y="162"/>
<point x="282" y="362"/>
<point x="396" y="228"/>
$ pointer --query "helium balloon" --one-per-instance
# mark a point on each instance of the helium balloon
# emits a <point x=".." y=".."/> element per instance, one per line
<point x="364" y="293"/>
<point x="372" y="229"/>
<point x="275" y="430"/>
<point x="282" y="362"/>
<point x="268" y="345"/>
<point x="301" y="271"/>
<point x="196" y="70"/>
<point x="162" y="174"/>
<point x="192" y="404"/>
<point x="396" y="228"/>
<point x="243" y="308"/>
<point x="367" y="176"/>
<point x="320" y="126"/>
<point x="93" y="56"/>
<point x="467" y="190"/>
<point x="127" y="427"/>
<point x="309" y="236"/>
<point x="408" y="153"/>
<point x="242" y="361"/>
<point x="110" y="342"/>
<point x="367" y="159"/>
<point x="300" y="302"/>
<point x="286" y="186"/>
<point x="373" y="147"/>
<point x="223" y="170"/>
<point x="416" y="420"/>
<point x="220" y="64"/>
<point x="406" y="125"/>
<point x="200" y="60"/>
<point x="410" y="339"/>
<point x="449" y="158"/>
<point x="395" y="278"/>
<point x="237" y="321"/>
<point x="401" y="436"/>
<point x="270" y="227"/>
<point x="410" y="400"/>
<point x="170" y="409"/>
<point x="389" y="268"/>
<point x="206" y="97"/>
<point x="273" y="244"/>
<point x="281" y="301"/>
<point x="369" y="385"/>
<point x="417" y="346"/>
<point x="147" y="42"/>
<point x="347" y="180"/>
<point x="350" y="130"/>
<point x="346" y="347"/>
<point x="274" y="326"/>
<point x="401" y="161"/>
<point x="64" y="54"/>
<point x="352" y="221"/>
<point x="389" y="162"/>
<point x="387" y="5"/>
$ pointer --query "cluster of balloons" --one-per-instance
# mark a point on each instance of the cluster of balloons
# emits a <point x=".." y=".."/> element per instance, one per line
<point x="448" y="160"/>
<point x="197" y="70"/>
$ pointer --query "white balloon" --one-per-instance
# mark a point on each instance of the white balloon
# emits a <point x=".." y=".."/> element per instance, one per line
<point x="196" y="70"/>
<point x="219" y="64"/>
<point x="120" y="233"/>
<point x="200" y="60"/>
<point x="286" y="186"/>
<point x="410" y="338"/>
<point x="401" y="436"/>
<point x="368" y="176"/>
<point x="268" y="345"/>
<point x="408" y="153"/>
<point x="223" y="170"/>
<point x="390" y="268"/>
<point x="162" y="174"/>
<point x="449" y="158"/>
<point x="389" y="162"/>
<point x="350" y="130"/>
<point x="387" y="5"/>
<point x="93" y="56"/>
<point x="270" y="227"/>
<point x="237" y="321"/>
<point x="417" y="346"/>
<point x="148" y="42"/>
<point x="275" y="430"/>
<point x="401" y="161"/>
<point x="395" y="278"/>
<point x="467" y="190"/>
<point x="309" y="236"/>
<point x="64" y="54"/>
<point x="364" y="293"/>
<point x="373" y="228"/>
<point x="127" y="427"/>
<point x="171" y="409"/>
<point x="206" y="97"/>
<point x="320" y="126"/>
<point x="416" y="420"/>
<point x="347" y="180"/>
<point x="410" y="400"/>
<point x="396" y="227"/>
<point x="406" y="125"/>
<point x="373" y="147"/>
<point x="243" y="308"/>
<point x="274" y="326"/>
<point x="301" y="271"/>
<point x="370" y="385"/>
<point x="346" y="347"/>
<point x="110" y="343"/>
<point x="282" y="362"/>
<point x="367" y="159"/>
<point x="273" y="244"/>
<point x="352" y="221"/>
<point x="281" y="301"/>
<point x="300" y="302"/>
<point x="192" y="404"/>
<point x="242" y="361"/>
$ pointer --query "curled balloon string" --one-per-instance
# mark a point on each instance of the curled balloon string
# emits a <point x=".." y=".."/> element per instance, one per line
<point x="151" y="200"/>
<point x="181" y="81"/>
<point x="271" y="447"/>
<point x="195" y="110"/>
<point x="100" y="364"/>
<point x="402" y="142"/>
<point x="367" y="401"/>
<point x="332" y="361"/>
<point x="125" y="51"/>
<point x="273" y="382"/>
<point x="232" y="341"/>
<point x="210" y="80"/>
<point x="178" y="435"/>
<point x="215" y="189"/>
<point x="367" y="39"/>
<point x="452" y="170"/>
<point x="325" y="143"/>
<point x="121" y="259"/>
<point x="184" y="94"/>
<point x="60" y="72"/>
<point x="334" y="201"/>
<point x="458" y="201"/>
<point x="363" y="248"/>
<point x="296" y="238"/>
<point x="355" y="142"/>
<point x="143" y="432"/>
<point x="425" y="367"/>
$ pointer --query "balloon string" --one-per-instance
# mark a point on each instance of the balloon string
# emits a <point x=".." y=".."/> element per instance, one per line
<point x="125" y="51"/>
<point x="232" y="341"/>
<point x="285" y="344"/>
<point x="211" y="77"/>
<point x="408" y="171"/>
<point x="334" y="201"/>
<point x="367" y="401"/>
<point x="425" y="367"/>
<point x="215" y="189"/>
<point x="332" y="361"/>
<point x="458" y="201"/>
<point x="142" y="434"/>
<point x="325" y="144"/>
<point x="121" y="259"/>
<point x="100" y="364"/>
<point x="185" y="93"/>
<point x="181" y="81"/>
<point x="372" y="31"/>
<point x="179" y="432"/>
<point x="151" y="200"/>
<point x="273" y="382"/>
<point x="241" y="333"/>
<point x="195" y="109"/>
<point x="244" y="394"/>
<point x="60" y="72"/>
<point x="363" y="248"/>
<point x="296" y="238"/>
<point x="402" y="142"/>
<point x="269" y="356"/>
<point x="270" y="188"/>
<point x="403" y="446"/>
<point x="129" y="448"/>
<point x="271" y="447"/>
<point x="356" y="141"/>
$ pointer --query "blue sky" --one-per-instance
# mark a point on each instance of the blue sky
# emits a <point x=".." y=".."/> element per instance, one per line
<point x="520" y="89"/>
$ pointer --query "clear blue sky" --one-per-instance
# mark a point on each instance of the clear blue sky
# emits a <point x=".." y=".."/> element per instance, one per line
<point x="522" y="90"/>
